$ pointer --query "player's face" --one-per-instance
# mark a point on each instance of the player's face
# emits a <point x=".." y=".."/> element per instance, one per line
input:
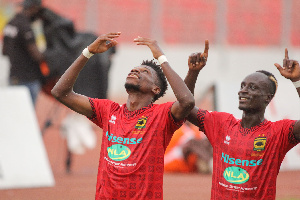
<point x="254" y="93"/>
<point x="141" y="78"/>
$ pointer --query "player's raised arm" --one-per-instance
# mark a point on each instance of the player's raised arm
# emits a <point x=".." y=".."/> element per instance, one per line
<point x="291" y="70"/>
<point x="63" y="90"/>
<point x="196" y="62"/>
<point x="185" y="100"/>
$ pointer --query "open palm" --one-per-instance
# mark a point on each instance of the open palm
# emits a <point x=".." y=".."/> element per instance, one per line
<point x="104" y="42"/>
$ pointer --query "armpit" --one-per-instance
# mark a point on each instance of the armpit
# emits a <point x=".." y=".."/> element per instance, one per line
<point x="94" y="116"/>
<point x="200" y="116"/>
<point x="292" y="138"/>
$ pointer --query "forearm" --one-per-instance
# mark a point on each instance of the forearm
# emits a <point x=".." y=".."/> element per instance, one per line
<point x="190" y="79"/>
<point x="296" y="129"/>
<point x="298" y="91"/>
<point x="182" y="93"/>
<point x="296" y="83"/>
<point x="65" y="84"/>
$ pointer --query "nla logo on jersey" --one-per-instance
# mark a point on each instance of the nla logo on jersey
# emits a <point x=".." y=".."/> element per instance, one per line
<point x="118" y="152"/>
<point x="236" y="175"/>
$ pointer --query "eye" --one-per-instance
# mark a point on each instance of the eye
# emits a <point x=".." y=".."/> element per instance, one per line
<point x="252" y="87"/>
<point x="242" y="85"/>
<point x="146" y="71"/>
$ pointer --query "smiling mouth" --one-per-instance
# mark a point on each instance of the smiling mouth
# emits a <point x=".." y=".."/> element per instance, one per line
<point x="243" y="99"/>
<point x="132" y="76"/>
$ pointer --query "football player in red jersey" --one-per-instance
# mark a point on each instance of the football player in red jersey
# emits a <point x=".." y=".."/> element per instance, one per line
<point x="135" y="134"/>
<point x="247" y="152"/>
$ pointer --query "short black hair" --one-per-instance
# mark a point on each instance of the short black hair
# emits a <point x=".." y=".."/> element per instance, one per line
<point x="273" y="80"/>
<point x="162" y="81"/>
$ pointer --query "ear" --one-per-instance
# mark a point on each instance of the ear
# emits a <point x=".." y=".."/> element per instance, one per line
<point x="269" y="98"/>
<point x="156" y="90"/>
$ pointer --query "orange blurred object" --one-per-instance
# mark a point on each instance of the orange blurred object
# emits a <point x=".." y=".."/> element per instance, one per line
<point x="44" y="69"/>
<point x="174" y="159"/>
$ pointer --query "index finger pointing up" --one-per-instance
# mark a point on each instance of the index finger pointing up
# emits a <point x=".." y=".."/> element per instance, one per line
<point x="206" y="47"/>
<point x="286" y="54"/>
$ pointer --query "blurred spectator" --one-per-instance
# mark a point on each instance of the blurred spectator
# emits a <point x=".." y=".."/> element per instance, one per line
<point x="20" y="46"/>
<point x="189" y="151"/>
<point x="64" y="44"/>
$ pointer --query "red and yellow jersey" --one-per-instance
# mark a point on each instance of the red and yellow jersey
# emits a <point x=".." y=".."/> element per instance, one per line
<point x="131" y="162"/>
<point x="246" y="162"/>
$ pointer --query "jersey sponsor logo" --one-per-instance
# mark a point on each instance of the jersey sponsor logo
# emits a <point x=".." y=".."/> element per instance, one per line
<point x="236" y="175"/>
<point x="141" y="123"/>
<point x="121" y="140"/>
<point x="118" y="152"/>
<point x="113" y="119"/>
<point x="237" y="188"/>
<point x="234" y="161"/>
<point x="260" y="143"/>
<point x="137" y="132"/>
<point x="227" y="139"/>
<point x="257" y="154"/>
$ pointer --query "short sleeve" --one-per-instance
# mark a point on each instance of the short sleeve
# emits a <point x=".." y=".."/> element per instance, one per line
<point x="171" y="123"/>
<point x="211" y="123"/>
<point x="101" y="109"/>
<point x="284" y="129"/>
<point x="175" y="123"/>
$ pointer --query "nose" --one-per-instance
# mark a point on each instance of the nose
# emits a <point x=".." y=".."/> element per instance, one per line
<point x="243" y="89"/>
<point x="135" y="70"/>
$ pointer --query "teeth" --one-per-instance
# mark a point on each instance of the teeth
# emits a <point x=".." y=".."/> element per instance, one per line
<point x="133" y="75"/>
<point x="243" y="98"/>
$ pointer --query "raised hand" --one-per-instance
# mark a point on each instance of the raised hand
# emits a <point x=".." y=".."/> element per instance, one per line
<point x="290" y="69"/>
<point x="104" y="42"/>
<point x="198" y="60"/>
<point x="152" y="44"/>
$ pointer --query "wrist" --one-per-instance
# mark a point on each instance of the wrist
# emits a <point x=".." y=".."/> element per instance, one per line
<point x="86" y="53"/>
<point x="296" y="83"/>
<point x="194" y="71"/>
<point x="161" y="59"/>
<point x="295" y="79"/>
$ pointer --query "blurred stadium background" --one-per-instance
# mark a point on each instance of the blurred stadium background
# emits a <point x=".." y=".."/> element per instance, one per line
<point x="244" y="36"/>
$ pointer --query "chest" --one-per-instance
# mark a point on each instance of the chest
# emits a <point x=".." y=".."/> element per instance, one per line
<point x="253" y="143"/>
<point x="134" y="129"/>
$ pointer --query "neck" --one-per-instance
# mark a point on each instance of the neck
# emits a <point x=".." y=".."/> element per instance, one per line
<point x="250" y="119"/>
<point x="137" y="101"/>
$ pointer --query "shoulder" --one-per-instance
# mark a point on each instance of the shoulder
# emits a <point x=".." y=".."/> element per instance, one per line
<point x="223" y="115"/>
<point x="282" y="123"/>
<point x="103" y="103"/>
<point x="284" y="126"/>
